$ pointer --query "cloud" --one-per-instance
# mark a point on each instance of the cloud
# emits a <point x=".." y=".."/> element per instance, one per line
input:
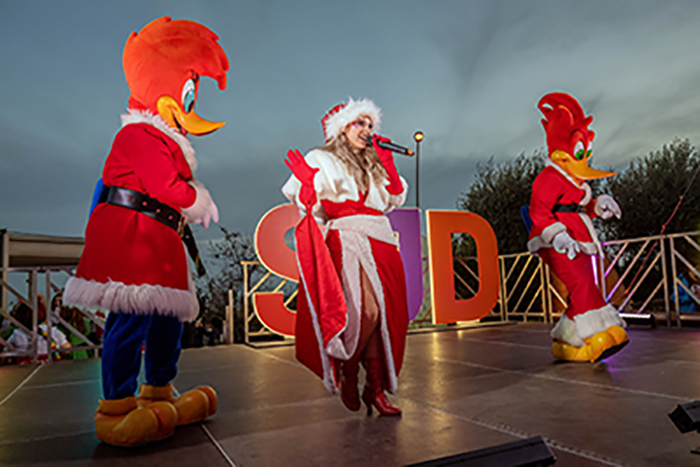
<point x="466" y="73"/>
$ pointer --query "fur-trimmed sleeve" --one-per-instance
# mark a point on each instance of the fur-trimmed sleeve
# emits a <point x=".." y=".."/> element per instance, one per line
<point x="332" y="182"/>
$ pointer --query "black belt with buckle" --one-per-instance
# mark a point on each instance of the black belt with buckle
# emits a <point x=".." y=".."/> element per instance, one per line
<point x="161" y="212"/>
<point x="574" y="208"/>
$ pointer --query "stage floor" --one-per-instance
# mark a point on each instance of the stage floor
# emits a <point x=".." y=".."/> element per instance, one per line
<point x="460" y="390"/>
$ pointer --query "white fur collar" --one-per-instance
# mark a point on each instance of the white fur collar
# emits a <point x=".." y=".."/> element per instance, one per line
<point x="146" y="116"/>
<point x="584" y="186"/>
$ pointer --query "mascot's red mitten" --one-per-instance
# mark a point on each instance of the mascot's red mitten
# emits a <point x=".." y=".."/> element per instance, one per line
<point x="137" y="240"/>
<point x="562" y="233"/>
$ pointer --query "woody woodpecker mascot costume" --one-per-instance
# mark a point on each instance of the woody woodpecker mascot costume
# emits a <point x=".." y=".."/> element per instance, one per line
<point x="355" y="258"/>
<point x="135" y="260"/>
<point x="562" y="234"/>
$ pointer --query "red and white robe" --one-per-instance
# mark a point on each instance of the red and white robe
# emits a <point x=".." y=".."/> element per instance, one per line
<point x="587" y="312"/>
<point x="132" y="263"/>
<point x="357" y="235"/>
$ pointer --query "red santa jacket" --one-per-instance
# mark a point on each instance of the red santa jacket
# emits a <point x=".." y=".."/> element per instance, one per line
<point x="133" y="263"/>
<point x="551" y="187"/>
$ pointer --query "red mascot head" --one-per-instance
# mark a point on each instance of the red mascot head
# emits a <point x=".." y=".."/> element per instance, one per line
<point x="569" y="140"/>
<point x="163" y="63"/>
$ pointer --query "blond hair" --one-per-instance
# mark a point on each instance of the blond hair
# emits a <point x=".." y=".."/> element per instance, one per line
<point x="362" y="164"/>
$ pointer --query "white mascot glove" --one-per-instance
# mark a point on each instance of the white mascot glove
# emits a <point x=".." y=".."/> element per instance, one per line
<point x="606" y="207"/>
<point x="563" y="243"/>
<point x="212" y="214"/>
<point x="203" y="211"/>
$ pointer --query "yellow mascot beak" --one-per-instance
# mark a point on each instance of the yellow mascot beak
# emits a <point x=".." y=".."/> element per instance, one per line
<point x="579" y="170"/>
<point x="170" y="111"/>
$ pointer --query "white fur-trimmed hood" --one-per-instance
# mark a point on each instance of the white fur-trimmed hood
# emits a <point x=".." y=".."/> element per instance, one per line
<point x="146" y="116"/>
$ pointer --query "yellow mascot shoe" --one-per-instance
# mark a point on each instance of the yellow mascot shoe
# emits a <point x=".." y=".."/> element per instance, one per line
<point x="192" y="407"/>
<point x="566" y="352"/>
<point x="123" y="423"/>
<point x="601" y="346"/>
<point x="196" y="405"/>
<point x="618" y="334"/>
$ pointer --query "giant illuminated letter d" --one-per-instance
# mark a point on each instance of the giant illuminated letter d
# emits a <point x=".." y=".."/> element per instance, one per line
<point x="441" y="226"/>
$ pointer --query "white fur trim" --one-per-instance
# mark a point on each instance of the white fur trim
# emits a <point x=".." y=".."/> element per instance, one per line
<point x="334" y="183"/>
<point x="202" y="205"/>
<point x="355" y="232"/>
<point x="328" y="378"/>
<point x="583" y="186"/>
<point x="137" y="299"/>
<point x="566" y="331"/>
<point x="591" y="248"/>
<point x="551" y="231"/>
<point x="544" y="240"/>
<point x="591" y="322"/>
<point x="336" y="123"/>
<point x="146" y="116"/>
<point x="377" y="227"/>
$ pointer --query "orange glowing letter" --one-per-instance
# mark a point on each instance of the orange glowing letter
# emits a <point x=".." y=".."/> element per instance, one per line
<point x="441" y="226"/>
<point x="279" y="259"/>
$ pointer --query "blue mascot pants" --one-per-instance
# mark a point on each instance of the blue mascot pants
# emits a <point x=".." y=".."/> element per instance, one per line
<point x="124" y="335"/>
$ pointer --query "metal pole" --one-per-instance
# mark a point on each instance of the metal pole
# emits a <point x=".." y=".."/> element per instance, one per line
<point x="417" y="173"/>
<point x="5" y="250"/>
<point x="231" y="326"/>
<point x="543" y="280"/>
<point x="675" y="281"/>
<point x="664" y="278"/>
<point x="49" y="320"/>
<point x="35" y="317"/>
<point x="245" y="304"/>
<point x="418" y="138"/>
<point x="504" y="292"/>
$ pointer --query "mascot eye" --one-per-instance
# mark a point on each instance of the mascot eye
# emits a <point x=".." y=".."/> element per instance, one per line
<point x="579" y="151"/>
<point x="188" y="96"/>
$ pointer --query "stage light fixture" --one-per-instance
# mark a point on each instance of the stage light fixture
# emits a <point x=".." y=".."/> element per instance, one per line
<point x="686" y="417"/>
<point x="531" y="452"/>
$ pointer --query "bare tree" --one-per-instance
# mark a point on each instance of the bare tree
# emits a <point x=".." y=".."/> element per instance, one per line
<point x="225" y="273"/>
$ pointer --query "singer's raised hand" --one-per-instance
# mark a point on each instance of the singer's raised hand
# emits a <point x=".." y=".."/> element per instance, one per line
<point x="305" y="174"/>
<point x="387" y="158"/>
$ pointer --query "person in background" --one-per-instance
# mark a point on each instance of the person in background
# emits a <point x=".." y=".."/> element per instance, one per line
<point x="22" y="341"/>
<point x="686" y="302"/>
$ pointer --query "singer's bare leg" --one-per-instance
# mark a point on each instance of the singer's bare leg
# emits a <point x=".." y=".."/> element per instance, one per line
<point x="370" y="314"/>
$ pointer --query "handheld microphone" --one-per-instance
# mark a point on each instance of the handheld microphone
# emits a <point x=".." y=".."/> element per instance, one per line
<point x="391" y="147"/>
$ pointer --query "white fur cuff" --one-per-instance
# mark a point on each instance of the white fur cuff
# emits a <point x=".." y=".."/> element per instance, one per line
<point x="591" y="322"/>
<point x="203" y="204"/>
<point x="551" y="231"/>
<point x="566" y="330"/>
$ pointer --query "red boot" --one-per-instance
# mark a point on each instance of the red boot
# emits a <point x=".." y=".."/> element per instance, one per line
<point x="349" y="393"/>
<point x="373" y="395"/>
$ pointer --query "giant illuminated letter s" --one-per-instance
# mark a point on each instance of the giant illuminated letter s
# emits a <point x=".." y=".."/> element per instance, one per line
<point x="277" y="257"/>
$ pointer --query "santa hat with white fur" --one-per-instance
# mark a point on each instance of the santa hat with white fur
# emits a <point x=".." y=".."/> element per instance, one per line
<point x="337" y="118"/>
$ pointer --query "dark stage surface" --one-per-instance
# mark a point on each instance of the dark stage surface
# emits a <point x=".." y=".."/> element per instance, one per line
<point x="460" y="390"/>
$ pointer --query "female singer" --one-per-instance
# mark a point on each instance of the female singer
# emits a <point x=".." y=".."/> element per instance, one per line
<point x="351" y="305"/>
